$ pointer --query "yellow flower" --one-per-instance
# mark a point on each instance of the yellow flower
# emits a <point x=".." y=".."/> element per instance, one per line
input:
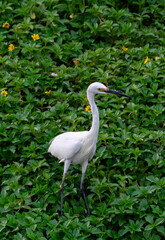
<point x="48" y="92"/>
<point x="6" y="25"/>
<point x="60" y="185"/>
<point x="88" y="109"/>
<point x="35" y="37"/>
<point x="4" y="93"/>
<point x="11" y="47"/>
<point x="146" y="60"/>
<point x="124" y="48"/>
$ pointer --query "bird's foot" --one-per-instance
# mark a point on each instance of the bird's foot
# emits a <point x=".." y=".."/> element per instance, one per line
<point x="90" y="214"/>
<point x="87" y="214"/>
<point x="62" y="214"/>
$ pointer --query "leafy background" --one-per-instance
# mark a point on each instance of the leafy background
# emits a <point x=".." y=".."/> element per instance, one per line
<point x="82" y="42"/>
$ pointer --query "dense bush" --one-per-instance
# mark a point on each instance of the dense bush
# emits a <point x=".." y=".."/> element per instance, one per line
<point x="43" y="93"/>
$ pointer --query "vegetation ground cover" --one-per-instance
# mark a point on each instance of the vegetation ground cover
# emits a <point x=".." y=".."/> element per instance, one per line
<point x="50" y="52"/>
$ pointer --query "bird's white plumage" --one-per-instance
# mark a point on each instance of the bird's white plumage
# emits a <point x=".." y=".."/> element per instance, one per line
<point x="79" y="147"/>
<point x="66" y="145"/>
<point x="74" y="146"/>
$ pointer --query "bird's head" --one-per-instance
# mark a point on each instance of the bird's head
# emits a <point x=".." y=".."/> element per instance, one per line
<point x="99" y="88"/>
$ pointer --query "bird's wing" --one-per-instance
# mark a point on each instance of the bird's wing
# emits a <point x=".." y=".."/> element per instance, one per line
<point x="66" y="145"/>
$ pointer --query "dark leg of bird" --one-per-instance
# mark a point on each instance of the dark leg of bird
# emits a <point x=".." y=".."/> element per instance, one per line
<point x="62" y="192"/>
<point x="66" y="166"/>
<point x="83" y="193"/>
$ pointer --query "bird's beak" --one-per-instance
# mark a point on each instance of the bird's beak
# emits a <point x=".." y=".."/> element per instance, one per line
<point x="116" y="93"/>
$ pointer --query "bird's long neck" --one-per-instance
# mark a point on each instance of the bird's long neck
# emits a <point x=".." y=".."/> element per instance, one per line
<point x="95" y="115"/>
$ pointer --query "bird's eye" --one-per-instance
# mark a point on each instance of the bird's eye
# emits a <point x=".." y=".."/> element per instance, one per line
<point x="102" y="89"/>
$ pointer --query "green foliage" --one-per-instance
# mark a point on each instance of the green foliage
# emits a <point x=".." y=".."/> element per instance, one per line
<point x="82" y="42"/>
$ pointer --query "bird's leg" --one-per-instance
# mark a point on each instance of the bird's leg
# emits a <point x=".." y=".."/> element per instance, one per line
<point x="84" y="166"/>
<point x="66" y="166"/>
<point x="62" y="191"/>
<point x="83" y="193"/>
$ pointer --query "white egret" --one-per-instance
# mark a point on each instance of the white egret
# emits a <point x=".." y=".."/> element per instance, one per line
<point x="79" y="147"/>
